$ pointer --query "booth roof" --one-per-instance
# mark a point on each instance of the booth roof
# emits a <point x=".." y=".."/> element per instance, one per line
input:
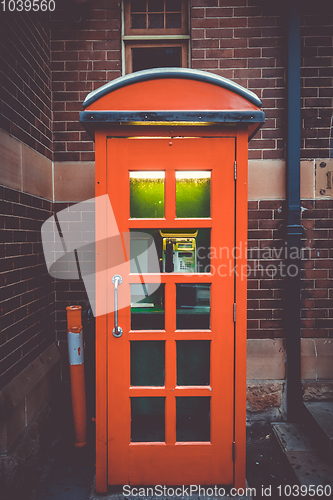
<point x="161" y="73"/>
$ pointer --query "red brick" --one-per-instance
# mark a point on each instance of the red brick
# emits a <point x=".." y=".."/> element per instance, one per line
<point x="205" y="43"/>
<point x="219" y="33"/>
<point x="251" y="10"/>
<point x="232" y="22"/>
<point x="260" y="214"/>
<point x="223" y="11"/>
<point x="197" y="12"/>
<point x="220" y="53"/>
<point x="234" y="42"/>
<point x="198" y="53"/>
<point x="205" y="23"/>
<point x="204" y="3"/>
<point x="247" y="52"/>
<point x="247" y="32"/>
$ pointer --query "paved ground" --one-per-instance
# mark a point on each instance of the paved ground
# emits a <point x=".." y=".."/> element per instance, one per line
<point x="71" y="471"/>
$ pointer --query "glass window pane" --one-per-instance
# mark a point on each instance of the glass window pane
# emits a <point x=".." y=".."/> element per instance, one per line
<point x="193" y="419"/>
<point x="173" y="21"/>
<point x="155" y="21"/>
<point x="147" y="306"/>
<point x="155" y="5"/>
<point x="193" y="194"/>
<point x="147" y="194"/>
<point x="193" y="362"/>
<point x="147" y="362"/>
<point x="143" y="247"/>
<point x="178" y="250"/>
<point x="173" y="5"/>
<point x="147" y="419"/>
<point x="193" y="306"/>
<point x="156" y="57"/>
<point x="138" y="21"/>
<point x="138" y="5"/>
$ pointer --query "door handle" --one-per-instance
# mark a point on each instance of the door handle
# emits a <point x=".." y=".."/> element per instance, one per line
<point x="116" y="280"/>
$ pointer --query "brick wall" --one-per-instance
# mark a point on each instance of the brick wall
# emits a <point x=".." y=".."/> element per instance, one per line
<point x="84" y="57"/>
<point x="317" y="293"/>
<point x="27" y="300"/>
<point x="317" y="79"/>
<point x="25" y="88"/>
<point x="245" y="43"/>
<point x="267" y="270"/>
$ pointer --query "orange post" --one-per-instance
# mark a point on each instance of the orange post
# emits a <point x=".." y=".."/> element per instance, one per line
<point x="73" y="316"/>
<point x="76" y="361"/>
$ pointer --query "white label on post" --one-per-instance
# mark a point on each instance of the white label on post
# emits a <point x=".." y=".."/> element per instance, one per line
<point x="75" y="348"/>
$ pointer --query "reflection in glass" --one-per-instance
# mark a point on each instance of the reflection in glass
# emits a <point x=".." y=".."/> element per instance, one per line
<point x="147" y="194"/>
<point x="147" y="419"/>
<point x="156" y="57"/>
<point x="193" y="362"/>
<point x="193" y="194"/>
<point x="172" y="256"/>
<point x="138" y="21"/>
<point x="193" y="419"/>
<point x="173" y="5"/>
<point x="147" y="306"/>
<point x="138" y="5"/>
<point x="143" y="253"/>
<point x="155" y="21"/>
<point x="147" y="362"/>
<point x="173" y="21"/>
<point x="193" y="306"/>
<point x="155" y="5"/>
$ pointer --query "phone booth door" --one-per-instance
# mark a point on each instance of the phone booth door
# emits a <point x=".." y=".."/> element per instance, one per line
<point x="171" y="372"/>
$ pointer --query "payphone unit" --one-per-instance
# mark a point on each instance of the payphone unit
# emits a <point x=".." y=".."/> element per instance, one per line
<point x="179" y="252"/>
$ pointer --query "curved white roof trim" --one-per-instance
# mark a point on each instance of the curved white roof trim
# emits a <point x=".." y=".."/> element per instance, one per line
<point x="160" y="73"/>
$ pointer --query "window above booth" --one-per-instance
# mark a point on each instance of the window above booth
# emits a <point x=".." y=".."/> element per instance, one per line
<point x="155" y="34"/>
<point x="155" y="17"/>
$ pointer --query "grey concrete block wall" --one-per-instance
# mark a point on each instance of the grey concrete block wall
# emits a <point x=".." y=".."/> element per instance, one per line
<point x="23" y="398"/>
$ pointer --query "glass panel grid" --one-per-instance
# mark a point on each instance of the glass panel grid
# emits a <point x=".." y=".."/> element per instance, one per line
<point x="146" y="194"/>
<point x="160" y="14"/>
<point x="178" y="250"/>
<point x="193" y="306"/>
<point x="193" y="194"/>
<point x="193" y="362"/>
<point x="193" y="419"/>
<point x="147" y="363"/>
<point x="147" y="419"/>
<point x="147" y="306"/>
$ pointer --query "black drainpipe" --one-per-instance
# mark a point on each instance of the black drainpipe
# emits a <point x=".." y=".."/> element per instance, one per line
<point x="294" y="228"/>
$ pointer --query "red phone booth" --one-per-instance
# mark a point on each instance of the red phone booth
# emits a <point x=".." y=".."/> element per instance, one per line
<point x="171" y="154"/>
